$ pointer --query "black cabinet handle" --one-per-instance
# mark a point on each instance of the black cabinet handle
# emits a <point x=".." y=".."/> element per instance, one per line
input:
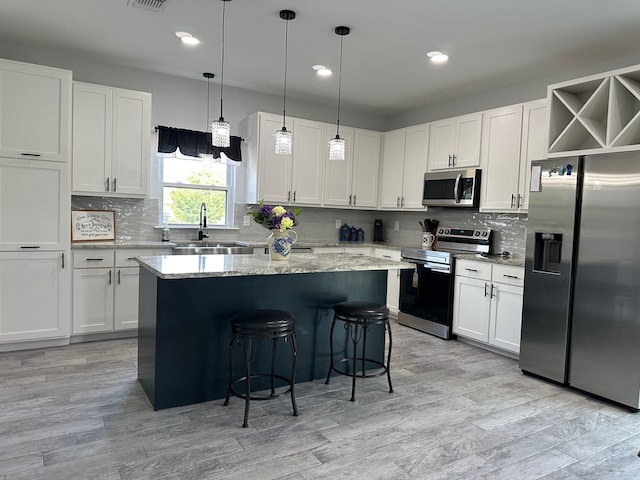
<point x="30" y="154"/>
<point x="30" y="246"/>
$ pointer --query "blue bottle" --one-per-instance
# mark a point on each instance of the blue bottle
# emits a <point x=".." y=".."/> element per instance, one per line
<point x="345" y="233"/>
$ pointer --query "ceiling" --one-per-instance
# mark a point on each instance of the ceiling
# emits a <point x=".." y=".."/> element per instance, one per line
<point x="385" y="71"/>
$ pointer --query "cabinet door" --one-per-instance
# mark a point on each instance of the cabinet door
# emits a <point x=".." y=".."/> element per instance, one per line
<point x="34" y="296"/>
<point x="393" y="279"/>
<point x="467" y="143"/>
<point x="534" y="144"/>
<point x="441" y="144"/>
<point x="471" y="308"/>
<point x="92" y="300"/>
<point x="366" y="164"/>
<point x="506" y="317"/>
<point x="416" y="152"/>
<point x="501" y="158"/>
<point x="92" y="137"/>
<point x="34" y="205"/>
<point x="274" y="171"/>
<point x="309" y="147"/>
<point x="35" y="111"/>
<point x="125" y="314"/>
<point x="338" y="175"/>
<point x="392" y="167"/>
<point x="131" y="152"/>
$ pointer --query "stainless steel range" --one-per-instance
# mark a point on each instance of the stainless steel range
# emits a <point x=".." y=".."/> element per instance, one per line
<point x="426" y="294"/>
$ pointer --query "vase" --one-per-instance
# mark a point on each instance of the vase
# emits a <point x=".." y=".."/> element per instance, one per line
<point x="280" y="244"/>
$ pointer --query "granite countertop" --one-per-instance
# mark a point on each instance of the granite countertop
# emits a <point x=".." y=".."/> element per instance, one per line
<point x="499" y="259"/>
<point x="122" y="244"/>
<point x="171" y="267"/>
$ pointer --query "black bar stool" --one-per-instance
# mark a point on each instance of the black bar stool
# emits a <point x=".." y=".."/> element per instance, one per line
<point x="358" y="318"/>
<point x="256" y="325"/>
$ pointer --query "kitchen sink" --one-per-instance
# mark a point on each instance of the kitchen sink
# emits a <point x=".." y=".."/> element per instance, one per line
<point x="211" y="248"/>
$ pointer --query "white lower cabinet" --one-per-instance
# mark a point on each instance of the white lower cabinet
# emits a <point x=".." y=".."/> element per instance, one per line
<point x="393" y="278"/>
<point x="105" y="290"/>
<point x="488" y="303"/>
<point x="34" y="296"/>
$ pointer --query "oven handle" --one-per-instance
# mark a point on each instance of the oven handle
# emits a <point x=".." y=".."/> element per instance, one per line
<point x="434" y="267"/>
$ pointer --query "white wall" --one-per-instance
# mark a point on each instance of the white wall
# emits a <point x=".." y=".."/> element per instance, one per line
<point x="181" y="102"/>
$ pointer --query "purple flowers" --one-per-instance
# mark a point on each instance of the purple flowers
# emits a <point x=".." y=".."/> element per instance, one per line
<point x="276" y="217"/>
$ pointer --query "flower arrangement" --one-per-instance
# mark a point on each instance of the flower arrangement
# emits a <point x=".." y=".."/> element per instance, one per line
<point x="276" y="217"/>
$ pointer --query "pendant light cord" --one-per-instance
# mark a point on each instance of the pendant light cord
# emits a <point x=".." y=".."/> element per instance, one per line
<point x="284" y="91"/>
<point x="224" y="2"/>
<point x="208" y="83"/>
<point x="339" y="89"/>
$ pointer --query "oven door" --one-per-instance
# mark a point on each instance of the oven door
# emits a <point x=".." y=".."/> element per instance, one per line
<point x="426" y="298"/>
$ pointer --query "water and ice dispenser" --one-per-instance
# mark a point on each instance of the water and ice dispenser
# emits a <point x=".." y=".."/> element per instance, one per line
<point x="547" y="253"/>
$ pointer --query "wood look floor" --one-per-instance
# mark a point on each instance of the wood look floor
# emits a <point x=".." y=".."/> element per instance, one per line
<point x="458" y="412"/>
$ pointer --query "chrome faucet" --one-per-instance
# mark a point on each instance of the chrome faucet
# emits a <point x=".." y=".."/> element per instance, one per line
<point x="202" y="227"/>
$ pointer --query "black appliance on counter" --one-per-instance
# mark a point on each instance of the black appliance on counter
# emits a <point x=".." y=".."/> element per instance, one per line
<point x="426" y="294"/>
<point x="378" y="235"/>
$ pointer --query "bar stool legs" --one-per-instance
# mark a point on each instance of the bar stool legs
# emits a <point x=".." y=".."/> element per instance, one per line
<point x="261" y="324"/>
<point x="358" y="318"/>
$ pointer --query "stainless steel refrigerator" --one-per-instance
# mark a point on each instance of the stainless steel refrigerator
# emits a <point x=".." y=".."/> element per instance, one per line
<point x="581" y="313"/>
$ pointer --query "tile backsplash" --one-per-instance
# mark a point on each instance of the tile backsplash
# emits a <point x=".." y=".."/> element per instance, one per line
<point x="137" y="220"/>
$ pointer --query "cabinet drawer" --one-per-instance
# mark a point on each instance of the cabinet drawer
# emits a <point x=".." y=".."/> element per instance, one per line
<point x="508" y="274"/>
<point x="93" y="259"/>
<point x="125" y="258"/>
<point x="469" y="268"/>
<point x="388" y="253"/>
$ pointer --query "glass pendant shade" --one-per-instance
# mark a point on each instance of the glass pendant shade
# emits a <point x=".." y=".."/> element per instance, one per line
<point x="337" y="149"/>
<point x="220" y="133"/>
<point x="283" y="142"/>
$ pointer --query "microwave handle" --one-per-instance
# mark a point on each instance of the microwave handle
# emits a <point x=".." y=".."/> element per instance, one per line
<point x="456" y="188"/>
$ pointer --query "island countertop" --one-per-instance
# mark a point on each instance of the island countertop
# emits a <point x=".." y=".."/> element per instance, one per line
<point x="168" y="267"/>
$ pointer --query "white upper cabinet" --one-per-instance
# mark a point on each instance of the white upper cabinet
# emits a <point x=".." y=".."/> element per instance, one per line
<point x="501" y="135"/>
<point x="512" y="137"/>
<point x="34" y="205"/>
<point x="404" y="163"/>
<point x="455" y="142"/>
<point x="111" y="141"/>
<point x="285" y="179"/>
<point x="535" y="126"/>
<point x="354" y="182"/>
<point x="35" y="111"/>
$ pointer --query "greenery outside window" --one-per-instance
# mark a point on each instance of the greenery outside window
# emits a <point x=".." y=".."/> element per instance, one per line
<point x="187" y="182"/>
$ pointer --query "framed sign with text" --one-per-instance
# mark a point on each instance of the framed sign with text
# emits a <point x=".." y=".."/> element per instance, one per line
<point x="92" y="225"/>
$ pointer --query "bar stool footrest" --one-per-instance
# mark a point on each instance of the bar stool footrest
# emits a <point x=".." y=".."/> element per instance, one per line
<point x="260" y="397"/>
<point x="360" y="375"/>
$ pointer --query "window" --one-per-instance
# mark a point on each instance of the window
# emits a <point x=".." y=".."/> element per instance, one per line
<point x="186" y="182"/>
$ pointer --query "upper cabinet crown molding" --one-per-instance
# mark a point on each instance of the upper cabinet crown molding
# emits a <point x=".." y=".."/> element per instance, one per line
<point x="35" y="111"/>
<point x="455" y="142"/>
<point x="111" y="141"/>
<point x="595" y="114"/>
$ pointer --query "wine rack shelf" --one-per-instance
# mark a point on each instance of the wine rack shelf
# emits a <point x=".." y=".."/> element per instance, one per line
<point x="595" y="114"/>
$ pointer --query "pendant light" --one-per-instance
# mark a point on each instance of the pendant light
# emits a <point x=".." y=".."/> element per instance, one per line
<point x="283" y="136"/>
<point x="337" y="144"/>
<point x="221" y="130"/>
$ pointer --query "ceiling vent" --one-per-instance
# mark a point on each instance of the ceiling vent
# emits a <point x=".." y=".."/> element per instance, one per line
<point x="153" y="5"/>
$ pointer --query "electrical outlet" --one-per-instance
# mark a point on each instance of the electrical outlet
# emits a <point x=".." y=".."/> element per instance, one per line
<point x="246" y="220"/>
<point x="396" y="225"/>
<point x="338" y="223"/>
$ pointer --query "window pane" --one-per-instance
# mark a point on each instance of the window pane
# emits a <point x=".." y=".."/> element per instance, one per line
<point x="182" y="205"/>
<point x="194" y="172"/>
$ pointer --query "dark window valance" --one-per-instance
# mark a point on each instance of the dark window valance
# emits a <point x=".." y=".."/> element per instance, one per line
<point x="194" y="144"/>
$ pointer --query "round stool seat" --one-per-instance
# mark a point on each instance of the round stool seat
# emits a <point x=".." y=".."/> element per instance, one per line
<point x="263" y="323"/>
<point x="372" y="312"/>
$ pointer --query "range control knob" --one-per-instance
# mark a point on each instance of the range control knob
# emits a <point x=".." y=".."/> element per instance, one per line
<point x="447" y="231"/>
<point x="476" y="233"/>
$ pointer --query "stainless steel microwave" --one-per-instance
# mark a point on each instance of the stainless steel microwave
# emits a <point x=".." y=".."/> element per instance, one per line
<point x="454" y="188"/>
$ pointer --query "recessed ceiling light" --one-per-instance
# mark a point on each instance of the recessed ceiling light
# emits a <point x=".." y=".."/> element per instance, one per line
<point x="187" y="38"/>
<point x="437" y="57"/>
<point x="322" y="71"/>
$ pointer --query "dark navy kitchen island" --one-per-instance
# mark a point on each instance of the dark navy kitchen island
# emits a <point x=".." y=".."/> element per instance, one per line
<point x="185" y="303"/>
